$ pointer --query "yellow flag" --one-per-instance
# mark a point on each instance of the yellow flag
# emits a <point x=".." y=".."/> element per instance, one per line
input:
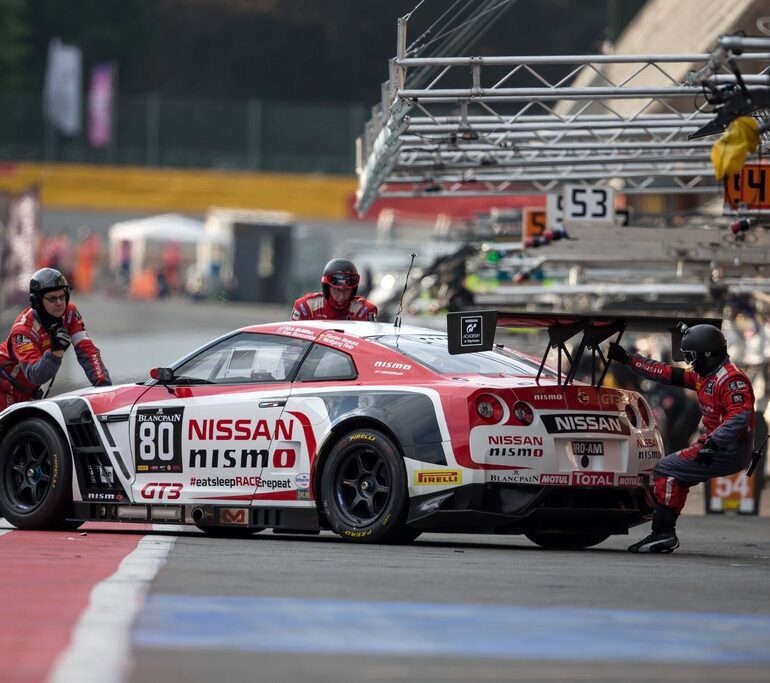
<point x="728" y="154"/>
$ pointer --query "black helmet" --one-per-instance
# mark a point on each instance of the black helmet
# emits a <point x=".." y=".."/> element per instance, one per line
<point x="704" y="347"/>
<point x="340" y="272"/>
<point x="46" y="280"/>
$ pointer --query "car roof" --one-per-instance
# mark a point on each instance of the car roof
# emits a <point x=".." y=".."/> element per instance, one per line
<point x="352" y="328"/>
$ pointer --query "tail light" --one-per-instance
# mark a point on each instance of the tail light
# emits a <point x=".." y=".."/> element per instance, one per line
<point x="644" y="413"/>
<point x="523" y="412"/>
<point x="631" y="415"/>
<point x="489" y="408"/>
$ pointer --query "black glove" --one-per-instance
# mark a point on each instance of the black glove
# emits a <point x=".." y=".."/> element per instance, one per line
<point x="60" y="339"/>
<point x="617" y="353"/>
<point x="705" y="456"/>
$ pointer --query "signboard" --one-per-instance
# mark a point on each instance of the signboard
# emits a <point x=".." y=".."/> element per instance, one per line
<point x="533" y="223"/>
<point x="588" y="205"/>
<point x="736" y="493"/>
<point x="470" y="331"/>
<point x="748" y="189"/>
<point x="554" y="206"/>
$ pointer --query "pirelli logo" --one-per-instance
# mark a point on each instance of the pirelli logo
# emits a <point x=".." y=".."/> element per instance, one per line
<point x="437" y="477"/>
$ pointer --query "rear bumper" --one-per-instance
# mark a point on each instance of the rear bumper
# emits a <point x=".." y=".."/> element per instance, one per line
<point x="517" y="509"/>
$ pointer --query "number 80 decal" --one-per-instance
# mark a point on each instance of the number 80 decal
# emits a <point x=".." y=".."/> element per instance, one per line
<point x="158" y="439"/>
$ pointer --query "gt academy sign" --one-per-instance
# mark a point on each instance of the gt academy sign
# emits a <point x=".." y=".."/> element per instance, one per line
<point x="470" y="331"/>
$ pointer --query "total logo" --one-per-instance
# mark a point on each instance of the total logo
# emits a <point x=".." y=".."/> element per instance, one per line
<point x="593" y="478"/>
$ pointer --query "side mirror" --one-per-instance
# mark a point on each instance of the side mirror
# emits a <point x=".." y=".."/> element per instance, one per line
<point x="163" y="375"/>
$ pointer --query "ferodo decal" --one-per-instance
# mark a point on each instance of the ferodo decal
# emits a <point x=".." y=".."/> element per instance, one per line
<point x="576" y="422"/>
<point x="158" y="439"/>
<point x="437" y="477"/>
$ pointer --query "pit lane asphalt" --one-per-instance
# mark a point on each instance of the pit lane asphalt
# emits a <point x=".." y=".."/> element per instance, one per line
<point x="315" y="608"/>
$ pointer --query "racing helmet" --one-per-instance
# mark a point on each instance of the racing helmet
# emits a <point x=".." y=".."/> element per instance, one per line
<point x="340" y="272"/>
<point x="46" y="280"/>
<point x="704" y="347"/>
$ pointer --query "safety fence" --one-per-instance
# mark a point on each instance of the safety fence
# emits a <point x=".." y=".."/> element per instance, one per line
<point x="152" y="130"/>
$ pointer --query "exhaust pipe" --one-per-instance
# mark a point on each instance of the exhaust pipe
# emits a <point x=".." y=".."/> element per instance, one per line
<point x="197" y="514"/>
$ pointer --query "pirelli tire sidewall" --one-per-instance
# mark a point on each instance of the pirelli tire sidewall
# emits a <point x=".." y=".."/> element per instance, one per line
<point x="360" y="456"/>
<point x="51" y="504"/>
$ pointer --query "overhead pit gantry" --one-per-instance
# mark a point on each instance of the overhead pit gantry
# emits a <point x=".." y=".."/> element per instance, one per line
<point x="475" y="126"/>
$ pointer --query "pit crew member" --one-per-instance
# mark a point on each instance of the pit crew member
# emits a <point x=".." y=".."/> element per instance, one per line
<point x="39" y="337"/>
<point x="337" y="300"/>
<point x="726" y="400"/>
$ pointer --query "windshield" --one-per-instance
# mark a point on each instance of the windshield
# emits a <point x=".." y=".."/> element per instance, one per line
<point x="432" y="351"/>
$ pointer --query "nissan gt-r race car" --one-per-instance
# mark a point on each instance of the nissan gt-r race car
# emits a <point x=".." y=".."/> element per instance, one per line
<point x="373" y="431"/>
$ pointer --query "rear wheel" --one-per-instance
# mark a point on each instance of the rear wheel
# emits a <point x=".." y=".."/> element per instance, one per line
<point x="568" y="540"/>
<point x="36" y="476"/>
<point x="364" y="491"/>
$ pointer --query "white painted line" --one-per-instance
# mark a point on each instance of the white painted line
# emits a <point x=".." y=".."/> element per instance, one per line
<point x="5" y="526"/>
<point x="100" y="648"/>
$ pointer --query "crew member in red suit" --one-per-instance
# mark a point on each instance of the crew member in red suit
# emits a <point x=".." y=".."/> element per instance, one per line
<point x="32" y="354"/>
<point x="338" y="300"/>
<point x="726" y="400"/>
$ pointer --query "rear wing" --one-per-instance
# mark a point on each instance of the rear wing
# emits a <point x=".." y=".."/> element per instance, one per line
<point x="470" y="331"/>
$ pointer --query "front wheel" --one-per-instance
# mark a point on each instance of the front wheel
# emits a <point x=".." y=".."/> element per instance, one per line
<point x="364" y="489"/>
<point x="36" y="476"/>
<point x="568" y="540"/>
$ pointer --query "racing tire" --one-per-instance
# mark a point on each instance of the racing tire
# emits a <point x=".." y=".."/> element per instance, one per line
<point x="230" y="531"/>
<point x="567" y="540"/>
<point x="364" y="489"/>
<point x="36" y="477"/>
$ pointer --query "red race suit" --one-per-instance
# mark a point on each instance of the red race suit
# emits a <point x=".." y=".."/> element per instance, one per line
<point x="315" y="307"/>
<point x="726" y="400"/>
<point x="27" y="362"/>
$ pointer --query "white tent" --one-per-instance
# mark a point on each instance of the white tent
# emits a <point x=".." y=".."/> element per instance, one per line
<point x="149" y="237"/>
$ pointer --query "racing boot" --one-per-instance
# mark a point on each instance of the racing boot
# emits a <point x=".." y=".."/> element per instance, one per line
<point x="663" y="537"/>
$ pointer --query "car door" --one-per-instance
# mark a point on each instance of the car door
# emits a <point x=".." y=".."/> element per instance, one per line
<point x="207" y="435"/>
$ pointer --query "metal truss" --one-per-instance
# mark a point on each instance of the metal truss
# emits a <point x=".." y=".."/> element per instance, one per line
<point x="474" y="126"/>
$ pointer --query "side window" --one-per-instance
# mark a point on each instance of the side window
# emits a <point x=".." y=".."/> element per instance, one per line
<point x="246" y="358"/>
<point x="324" y="364"/>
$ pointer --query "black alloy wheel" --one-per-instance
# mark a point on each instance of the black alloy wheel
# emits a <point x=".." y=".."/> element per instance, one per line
<point x="35" y="476"/>
<point x="364" y="489"/>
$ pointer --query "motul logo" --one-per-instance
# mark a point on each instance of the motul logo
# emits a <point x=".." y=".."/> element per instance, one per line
<point x="433" y="477"/>
<point x="161" y="490"/>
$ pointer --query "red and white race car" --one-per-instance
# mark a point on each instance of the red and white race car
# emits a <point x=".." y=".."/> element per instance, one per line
<point x="374" y="431"/>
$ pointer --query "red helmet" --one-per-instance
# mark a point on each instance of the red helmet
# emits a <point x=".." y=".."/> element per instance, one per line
<point x="340" y="272"/>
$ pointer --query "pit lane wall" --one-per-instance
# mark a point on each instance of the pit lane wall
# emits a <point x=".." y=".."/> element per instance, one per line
<point x="132" y="188"/>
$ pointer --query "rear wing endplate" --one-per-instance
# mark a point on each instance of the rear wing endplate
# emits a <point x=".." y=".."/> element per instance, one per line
<point x="470" y="331"/>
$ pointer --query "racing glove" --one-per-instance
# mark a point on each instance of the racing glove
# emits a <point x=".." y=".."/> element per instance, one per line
<point x="617" y="353"/>
<point x="705" y="456"/>
<point x="60" y="339"/>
